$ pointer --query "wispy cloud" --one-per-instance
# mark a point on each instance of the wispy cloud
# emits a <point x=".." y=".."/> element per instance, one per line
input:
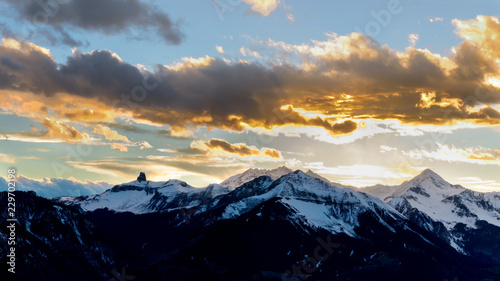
<point x="413" y="38"/>
<point x="7" y="158"/>
<point x="359" y="175"/>
<point x="479" y="184"/>
<point x="450" y="153"/>
<point x="436" y="19"/>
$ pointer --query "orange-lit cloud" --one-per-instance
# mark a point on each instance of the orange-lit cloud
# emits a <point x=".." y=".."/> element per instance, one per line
<point x="109" y="134"/>
<point x="272" y="153"/>
<point x="429" y="99"/>
<point x="482" y="32"/>
<point x="58" y="130"/>
<point x="117" y="146"/>
<point x="52" y="131"/>
<point x="241" y="149"/>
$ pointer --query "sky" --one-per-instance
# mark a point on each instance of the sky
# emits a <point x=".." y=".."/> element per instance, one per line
<point x="92" y="92"/>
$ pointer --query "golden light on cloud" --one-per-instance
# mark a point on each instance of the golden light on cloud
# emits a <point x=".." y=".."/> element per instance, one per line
<point x="428" y="99"/>
<point x="263" y="7"/>
<point x="493" y="81"/>
<point x="109" y="134"/>
<point x="217" y="146"/>
<point x="120" y="147"/>
<point x="24" y="46"/>
<point x="480" y="30"/>
<point x="190" y="62"/>
<point x="54" y="129"/>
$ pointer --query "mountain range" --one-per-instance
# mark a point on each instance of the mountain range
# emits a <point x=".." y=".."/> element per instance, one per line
<point x="262" y="225"/>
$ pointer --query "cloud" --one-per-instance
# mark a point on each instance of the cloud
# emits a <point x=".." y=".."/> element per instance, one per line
<point x="248" y="52"/>
<point x="483" y="33"/>
<point x="52" y="131"/>
<point x="109" y="17"/>
<point x="227" y="95"/>
<point x="384" y="82"/>
<point x="335" y="85"/>
<point x="436" y="19"/>
<point x="7" y="158"/>
<point x="144" y="145"/>
<point x="272" y="153"/>
<point x="428" y="99"/>
<point x="241" y="149"/>
<point x="413" y="38"/>
<point x="443" y="152"/>
<point x="198" y="170"/>
<point x="52" y="187"/>
<point x="40" y="149"/>
<point x="120" y="147"/>
<point x="263" y="7"/>
<point x="385" y="148"/>
<point x="219" y="49"/>
<point x="109" y="134"/>
<point x="59" y="130"/>
<point x="359" y="175"/>
<point x="480" y="184"/>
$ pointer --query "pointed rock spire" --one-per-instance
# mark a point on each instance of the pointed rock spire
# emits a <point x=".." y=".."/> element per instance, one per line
<point x="141" y="177"/>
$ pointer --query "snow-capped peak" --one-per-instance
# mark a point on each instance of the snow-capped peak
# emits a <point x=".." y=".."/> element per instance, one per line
<point x="429" y="176"/>
<point x="445" y="202"/>
<point x="427" y="183"/>
<point x="143" y="196"/>
<point x="319" y="202"/>
<point x="251" y="174"/>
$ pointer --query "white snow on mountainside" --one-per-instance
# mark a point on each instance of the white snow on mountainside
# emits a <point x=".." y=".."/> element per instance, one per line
<point x="147" y="196"/>
<point x="440" y="200"/>
<point x="317" y="202"/>
<point x="312" y="200"/>
<point x="251" y="174"/>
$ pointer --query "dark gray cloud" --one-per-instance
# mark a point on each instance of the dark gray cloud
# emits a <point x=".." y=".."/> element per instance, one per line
<point x="55" y="35"/>
<point x="6" y="31"/>
<point x="133" y="17"/>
